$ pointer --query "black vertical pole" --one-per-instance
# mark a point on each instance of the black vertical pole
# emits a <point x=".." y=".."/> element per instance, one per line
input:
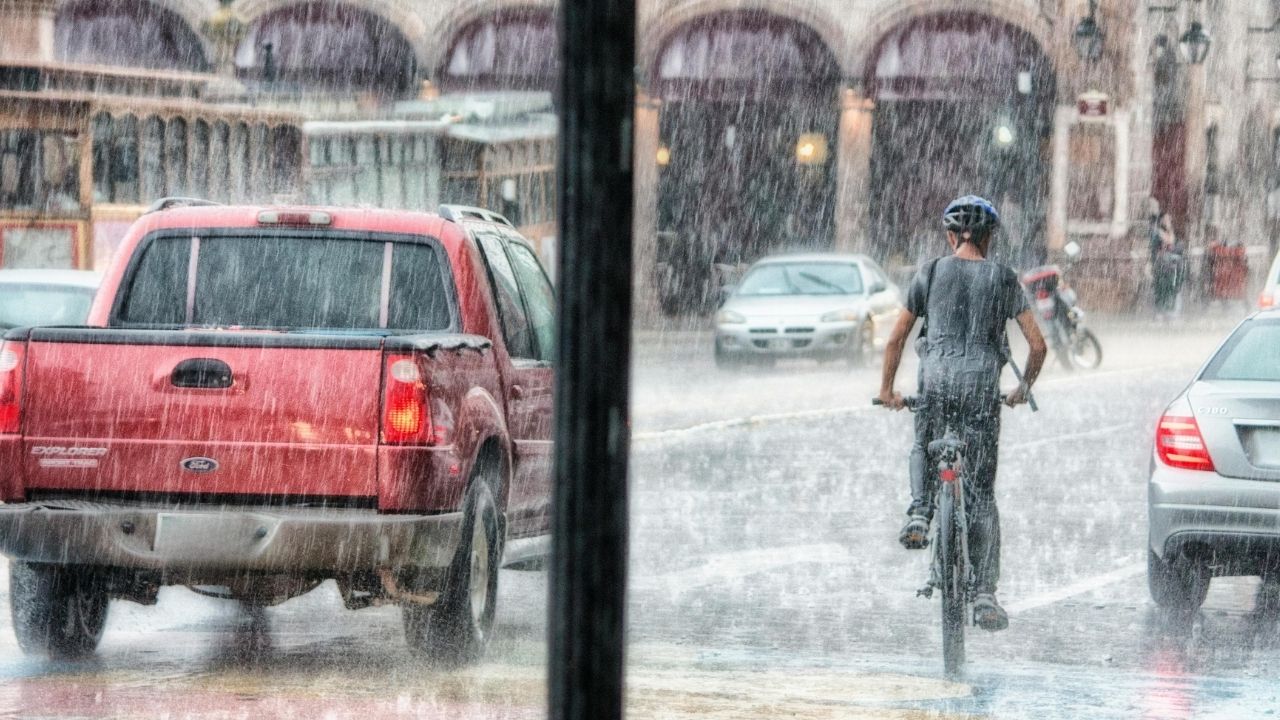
<point x="589" y="551"/>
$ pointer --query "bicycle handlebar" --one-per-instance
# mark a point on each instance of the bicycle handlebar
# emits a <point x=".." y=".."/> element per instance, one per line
<point x="913" y="402"/>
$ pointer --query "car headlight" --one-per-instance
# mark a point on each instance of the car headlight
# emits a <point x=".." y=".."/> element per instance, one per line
<point x="844" y="315"/>
<point x="729" y="317"/>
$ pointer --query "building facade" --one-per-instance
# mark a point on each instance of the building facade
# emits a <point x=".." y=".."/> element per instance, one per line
<point x="764" y="125"/>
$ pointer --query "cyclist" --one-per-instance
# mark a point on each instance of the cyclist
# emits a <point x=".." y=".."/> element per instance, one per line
<point x="965" y="300"/>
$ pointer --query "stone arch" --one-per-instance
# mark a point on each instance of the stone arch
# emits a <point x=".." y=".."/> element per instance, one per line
<point x="827" y="26"/>
<point x="533" y="23"/>
<point x="139" y="33"/>
<point x="865" y="46"/>
<point x="382" y="59"/>
<point x="400" y="14"/>
<point x="436" y="48"/>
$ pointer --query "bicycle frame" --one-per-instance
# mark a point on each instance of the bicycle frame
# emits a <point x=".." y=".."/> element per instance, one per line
<point x="951" y="567"/>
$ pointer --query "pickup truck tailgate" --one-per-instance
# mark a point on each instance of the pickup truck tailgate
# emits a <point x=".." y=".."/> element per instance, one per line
<point x="229" y="414"/>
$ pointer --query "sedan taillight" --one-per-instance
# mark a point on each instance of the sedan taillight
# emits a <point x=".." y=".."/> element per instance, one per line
<point x="1179" y="443"/>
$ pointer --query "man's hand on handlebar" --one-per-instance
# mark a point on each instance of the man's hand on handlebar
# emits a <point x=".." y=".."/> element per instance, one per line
<point x="891" y="400"/>
<point x="1018" y="396"/>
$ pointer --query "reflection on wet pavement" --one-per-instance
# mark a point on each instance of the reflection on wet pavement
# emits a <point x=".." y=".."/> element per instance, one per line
<point x="765" y="583"/>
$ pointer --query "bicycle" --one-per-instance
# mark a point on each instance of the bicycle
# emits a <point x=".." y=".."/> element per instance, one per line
<point x="951" y="569"/>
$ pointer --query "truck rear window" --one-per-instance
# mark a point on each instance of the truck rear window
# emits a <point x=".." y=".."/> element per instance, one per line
<point x="287" y="283"/>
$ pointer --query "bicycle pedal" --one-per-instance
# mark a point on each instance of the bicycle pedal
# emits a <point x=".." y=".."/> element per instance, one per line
<point x="925" y="592"/>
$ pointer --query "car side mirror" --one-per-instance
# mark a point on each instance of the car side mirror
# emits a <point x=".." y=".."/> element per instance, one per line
<point x="878" y="286"/>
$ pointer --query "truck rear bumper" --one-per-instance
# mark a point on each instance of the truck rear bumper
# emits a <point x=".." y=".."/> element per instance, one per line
<point x="260" y="539"/>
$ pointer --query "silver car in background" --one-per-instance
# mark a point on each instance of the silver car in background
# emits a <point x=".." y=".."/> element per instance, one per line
<point x="46" y="297"/>
<point x="1214" y="491"/>
<point x="824" y="306"/>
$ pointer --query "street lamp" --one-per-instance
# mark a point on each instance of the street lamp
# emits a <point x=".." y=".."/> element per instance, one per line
<point x="1088" y="36"/>
<point x="1194" y="43"/>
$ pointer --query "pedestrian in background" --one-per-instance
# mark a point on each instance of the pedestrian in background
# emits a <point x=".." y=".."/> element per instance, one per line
<point x="1166" y="269"/>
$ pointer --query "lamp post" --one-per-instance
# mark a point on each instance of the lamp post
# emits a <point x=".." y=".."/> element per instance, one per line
<point x="1088" y="38"/>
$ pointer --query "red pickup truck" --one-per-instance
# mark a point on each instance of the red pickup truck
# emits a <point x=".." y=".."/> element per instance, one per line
<point x="269" y="397"/>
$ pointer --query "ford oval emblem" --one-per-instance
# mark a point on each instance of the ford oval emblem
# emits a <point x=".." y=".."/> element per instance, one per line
<point x="199" y="464"/>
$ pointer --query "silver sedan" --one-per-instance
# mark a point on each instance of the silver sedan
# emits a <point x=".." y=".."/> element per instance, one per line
<point x="1214" y="491"/>
<point x="824" y="306"/>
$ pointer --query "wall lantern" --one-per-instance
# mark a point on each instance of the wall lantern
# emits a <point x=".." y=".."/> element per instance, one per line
<point x="1194" y="43"/>
<point x="1089" y="36"/>
<point x="811" y="149"/>
<point x="663" y="157"/>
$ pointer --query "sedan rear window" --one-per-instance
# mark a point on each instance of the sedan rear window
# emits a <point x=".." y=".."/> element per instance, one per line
<point x="1252" y="353"/>
<point x="289" y="283"/>
<point x="802" y="279"/>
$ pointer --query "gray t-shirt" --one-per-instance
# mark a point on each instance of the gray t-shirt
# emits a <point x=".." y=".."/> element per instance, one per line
<point x="966" y="307"/>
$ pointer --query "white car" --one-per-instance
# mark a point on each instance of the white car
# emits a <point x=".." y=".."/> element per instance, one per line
<point x="46" y="297"/>
<point x="824" y="306"/>
<point x="1270" y="295"/>
<point x="1214" y="490"/>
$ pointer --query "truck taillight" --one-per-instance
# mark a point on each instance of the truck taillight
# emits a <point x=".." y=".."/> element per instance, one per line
<point x="11" y="356"/>
<point x="1267" y="300"/>
<point x="406" y="409"/>
<point x="1179" y="443"/>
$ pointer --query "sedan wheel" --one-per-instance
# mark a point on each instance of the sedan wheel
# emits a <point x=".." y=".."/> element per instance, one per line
<point x="863" y="345"/>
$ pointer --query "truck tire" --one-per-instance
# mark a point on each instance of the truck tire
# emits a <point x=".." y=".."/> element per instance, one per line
<point x="455" y="630"/>
<point x="58" y="611"/>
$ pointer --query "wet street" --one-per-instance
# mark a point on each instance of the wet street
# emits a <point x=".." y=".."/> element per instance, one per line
<point x="766" y="578"/>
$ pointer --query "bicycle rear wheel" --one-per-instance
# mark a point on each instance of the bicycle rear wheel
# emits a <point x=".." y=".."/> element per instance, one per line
<point x="1085" y="350"/>
<point x="952" y="582"/>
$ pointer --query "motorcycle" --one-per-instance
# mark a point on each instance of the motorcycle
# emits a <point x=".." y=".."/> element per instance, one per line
<point x="1061" y="318"/>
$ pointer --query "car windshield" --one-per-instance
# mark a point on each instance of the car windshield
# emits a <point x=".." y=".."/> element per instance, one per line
<point x="1252" y="353"/>
<point x="27" y="305"/>
<point x="802" y="279"/>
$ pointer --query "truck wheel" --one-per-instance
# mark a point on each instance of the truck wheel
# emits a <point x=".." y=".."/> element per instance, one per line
<point x="1180" y="585"/>
<point x="57" y="611"/>
<point x="455" y="630"/>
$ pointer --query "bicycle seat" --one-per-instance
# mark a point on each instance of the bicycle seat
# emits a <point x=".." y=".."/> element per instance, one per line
<point x="949" y="443"/>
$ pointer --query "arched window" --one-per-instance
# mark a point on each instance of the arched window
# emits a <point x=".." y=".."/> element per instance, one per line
<point x="133" y="33"/>
<point x="744" y="53"/>
<point x="238" y="155"/>
<point x="958" y="56"/>
<point x="115" y="159"/>
<point x="175" y="157"/>
<point x="200" y="159"/>
<point x="153" y="180"/>
<point x="326" y="46"/>
<point x="508" y="50"/>
<point x="220" y="162"/>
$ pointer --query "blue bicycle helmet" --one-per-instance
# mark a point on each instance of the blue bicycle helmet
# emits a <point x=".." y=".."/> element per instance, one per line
<point x="970" y="213"/>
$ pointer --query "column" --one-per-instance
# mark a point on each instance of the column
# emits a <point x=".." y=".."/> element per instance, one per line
<point x="853" y="171"/>
<point x="645" y="219"/>
<point x="1063" y="117"/>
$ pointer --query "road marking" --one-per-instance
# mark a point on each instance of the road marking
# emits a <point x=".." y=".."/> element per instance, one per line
<point x="1070" y="436"/>
<point x="727" y="566"/>
<point x="1077" y="588"/>
<point x="767" y="418"/>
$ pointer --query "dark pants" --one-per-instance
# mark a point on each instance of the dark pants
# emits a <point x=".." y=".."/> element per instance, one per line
<point x="975" y="416"/>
